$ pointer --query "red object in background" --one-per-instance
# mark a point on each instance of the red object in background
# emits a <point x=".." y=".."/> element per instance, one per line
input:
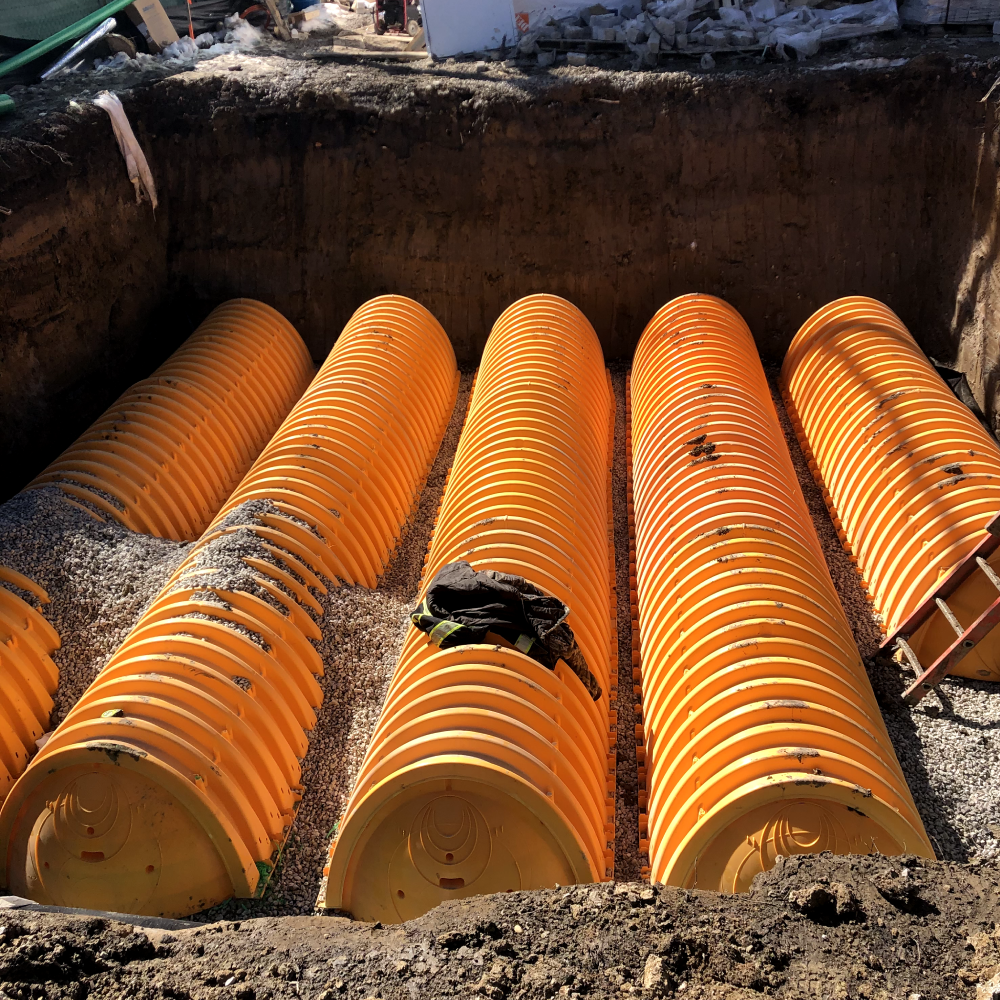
<point x="257" y="8"/>
<point x="397" y="17"/>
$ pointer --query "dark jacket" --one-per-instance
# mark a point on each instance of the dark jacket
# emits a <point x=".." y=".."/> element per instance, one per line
<point x="462" y="605"/>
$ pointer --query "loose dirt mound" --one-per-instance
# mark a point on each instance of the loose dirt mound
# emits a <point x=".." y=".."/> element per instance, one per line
<point x="813" y="927"/>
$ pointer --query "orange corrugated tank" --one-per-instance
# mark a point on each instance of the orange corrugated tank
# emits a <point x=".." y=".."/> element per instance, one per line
<point x="911" y="476"/>
<point x="29" y="676"/>
<point x="163" y="459"/>
<point x="174" y="780"/>
<point x="487" y="771"/>
<point x="763" y="737"/>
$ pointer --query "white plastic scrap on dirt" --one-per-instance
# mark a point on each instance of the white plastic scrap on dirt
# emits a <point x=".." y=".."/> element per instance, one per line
<point x="240" y="33"/>
<point x="237" y="35"/>
<point x="118" y="61"/>
<point x="135" y="160"/>
<point x="183" y="48"/>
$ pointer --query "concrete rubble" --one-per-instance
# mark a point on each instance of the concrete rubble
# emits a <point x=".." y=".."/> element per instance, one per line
<point x="702" y="26"/>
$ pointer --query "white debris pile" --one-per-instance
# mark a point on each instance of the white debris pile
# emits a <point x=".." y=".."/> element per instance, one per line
<point x="236" y="35"/>
<point x="322" y="17"/>
<point x="183" y="48"/>
<point x="801" y="26"/>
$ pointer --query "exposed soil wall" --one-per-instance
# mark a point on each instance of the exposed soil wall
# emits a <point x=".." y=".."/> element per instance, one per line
<point x="975" y="324"/>
<point x="776" y="191"/>
<point x="314" y="186"/>
<point x="82" y="271"/>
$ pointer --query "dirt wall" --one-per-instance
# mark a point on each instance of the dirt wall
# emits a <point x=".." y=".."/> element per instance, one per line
<point x="776" y="191"/>
<point x="975" y="325"/>
<point x="82" y="270"/>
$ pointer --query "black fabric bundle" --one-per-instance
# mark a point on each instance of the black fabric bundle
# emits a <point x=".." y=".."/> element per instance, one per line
<point x="959" y="385"/>
<point x="462" y="605"/>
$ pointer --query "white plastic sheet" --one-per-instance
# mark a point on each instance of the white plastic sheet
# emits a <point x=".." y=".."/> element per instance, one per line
<point x="804" y="29"/>
<point x="135" y="160"/>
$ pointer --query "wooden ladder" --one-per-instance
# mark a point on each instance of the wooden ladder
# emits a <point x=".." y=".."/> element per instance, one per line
<point x="966" y="639"/>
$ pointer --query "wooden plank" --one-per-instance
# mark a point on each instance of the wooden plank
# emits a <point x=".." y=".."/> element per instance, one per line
<point x="954" y="654"/>
<point x="279" y="25"/>
<point x="304" y="15"/>
<point x="986" y="547"/>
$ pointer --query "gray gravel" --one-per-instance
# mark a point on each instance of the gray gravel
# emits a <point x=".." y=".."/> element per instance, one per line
<point x="221" y="563"/>
<point x="627" y="858"/>
<point x="863" y="620"/>
<point x="99" y="577"/>
<point x="951" y="761"/>
<point x="949" y="745"/>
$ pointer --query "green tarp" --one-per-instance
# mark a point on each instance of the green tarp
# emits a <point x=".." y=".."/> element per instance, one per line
<point x="33" y="20"/>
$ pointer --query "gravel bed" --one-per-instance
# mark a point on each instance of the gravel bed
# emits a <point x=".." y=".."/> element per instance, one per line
<point x="860" y="614"/>
<point x="99" y="576"/>
<point x="221" y="564"/>
<point x="947" y="745"/>
<point x="627" y="858"/>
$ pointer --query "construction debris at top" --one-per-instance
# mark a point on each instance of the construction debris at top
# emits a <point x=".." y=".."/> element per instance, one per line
<point x="167" y="36"/>
<point x="649" y="28"/>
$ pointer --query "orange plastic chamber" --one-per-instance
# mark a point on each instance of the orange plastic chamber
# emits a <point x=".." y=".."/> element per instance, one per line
<point x="165" y="456"/>
<point x="174" y="780"/>
<point x="910" y="475"/>
<point x="488" y="772"/>
<point x="28" y="677"/>
<point x="763" y="737"/>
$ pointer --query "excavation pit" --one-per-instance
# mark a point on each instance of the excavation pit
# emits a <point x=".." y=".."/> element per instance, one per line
<point x="315" y="185"/>
<point x="324" y="184"/>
